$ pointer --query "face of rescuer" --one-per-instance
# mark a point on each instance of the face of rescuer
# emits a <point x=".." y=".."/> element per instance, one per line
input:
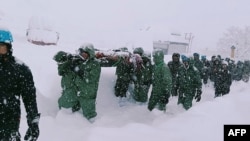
<point x="3" y="49"/>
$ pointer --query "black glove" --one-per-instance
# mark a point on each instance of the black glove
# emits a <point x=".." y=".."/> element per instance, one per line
<point x="69" y="57"/>
<point x="33" y="130"/>
<point x="198" y="95"/>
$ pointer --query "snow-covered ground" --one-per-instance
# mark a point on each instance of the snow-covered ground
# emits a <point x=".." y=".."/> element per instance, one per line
<point x="204" y="121"/>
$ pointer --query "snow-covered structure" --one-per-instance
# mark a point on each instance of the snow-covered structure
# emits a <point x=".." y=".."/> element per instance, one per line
<point x="40" y="32"/>
<point x="174" y="43"/>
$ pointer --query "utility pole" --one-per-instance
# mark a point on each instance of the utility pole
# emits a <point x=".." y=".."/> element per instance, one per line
<point x="233" y="51"/>
<point x="189" y="37"/>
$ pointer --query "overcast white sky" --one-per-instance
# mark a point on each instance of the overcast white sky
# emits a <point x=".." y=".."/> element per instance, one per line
<point x="104" y="20"/>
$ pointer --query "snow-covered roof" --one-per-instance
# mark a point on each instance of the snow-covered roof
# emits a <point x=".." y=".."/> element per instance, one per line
<point x="174" y="38"/>
<point x="39" y="22"/>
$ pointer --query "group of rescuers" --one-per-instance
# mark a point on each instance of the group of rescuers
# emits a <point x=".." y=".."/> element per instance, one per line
<point x="136" y="73"/>
<point x="182" y="77"/>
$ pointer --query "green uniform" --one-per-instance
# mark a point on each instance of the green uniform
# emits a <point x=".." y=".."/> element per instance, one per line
<point x="87" y="83"/>
<point x="65" y="70"/>
<point x="161" y="82"/>
<point x="123" y="73"/>
<point x="80" y="80"/>
<point x="142" y="80"/>
<point x="189" y="83"/>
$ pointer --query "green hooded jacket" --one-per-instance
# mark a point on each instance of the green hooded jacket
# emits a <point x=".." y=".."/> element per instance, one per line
<point x="161" y="82"/>
<point x="162" y="78"/>
<point x="189" y="84"/>
<point x="89" y="73"/>
<point x="68" y="76"/>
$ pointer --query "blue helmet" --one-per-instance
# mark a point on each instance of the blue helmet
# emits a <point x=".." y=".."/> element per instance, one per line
<point x="203" y="57"/>
<point x="184" y="58"/>
<point x="5" y="36"/>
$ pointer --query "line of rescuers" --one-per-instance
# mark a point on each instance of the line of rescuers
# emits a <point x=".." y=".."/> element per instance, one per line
<point x="136" y="73"/>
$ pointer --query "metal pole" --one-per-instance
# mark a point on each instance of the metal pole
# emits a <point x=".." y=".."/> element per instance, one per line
<point x="191" y="41"/>
<point x="189" y="38"/>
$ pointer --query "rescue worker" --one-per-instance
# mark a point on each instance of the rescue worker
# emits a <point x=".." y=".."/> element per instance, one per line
<point x="16" y="83"/>
<point x="189" y="83"/>
<point x="161" y="83"/>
